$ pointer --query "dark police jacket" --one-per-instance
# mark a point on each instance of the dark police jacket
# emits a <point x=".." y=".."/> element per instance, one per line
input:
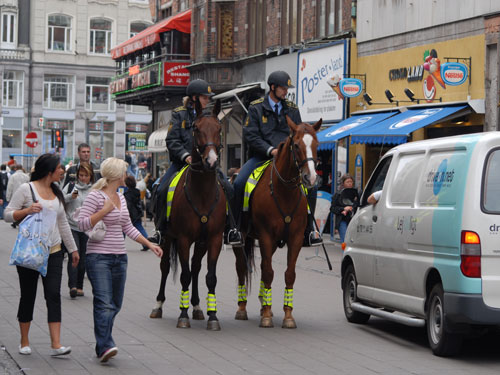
<point x="263" y="130"/>
<point x="180" y="134"/>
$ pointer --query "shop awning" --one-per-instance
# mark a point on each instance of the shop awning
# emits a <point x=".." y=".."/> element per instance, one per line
<point x="234" y="92"/>
<point x="151" y="35"/>
<point x="329" y="136"/>
<point x="157" y="140"/>
<point x="395" y="130"/>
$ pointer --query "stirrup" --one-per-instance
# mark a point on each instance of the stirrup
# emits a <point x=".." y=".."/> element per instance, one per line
<point x="156" y="237"/>
<point x="234" y="237"/>
<point x="313" y="239"/>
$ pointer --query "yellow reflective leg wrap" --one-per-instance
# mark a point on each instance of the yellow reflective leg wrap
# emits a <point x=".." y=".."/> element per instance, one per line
<point x="211" y="302"/>
<point x="261" y="290"/>
<point x="184" y="304"/>
<point x="242" y="293"/>
<point x="289" y="298"/>
<point x="267" y="297"/>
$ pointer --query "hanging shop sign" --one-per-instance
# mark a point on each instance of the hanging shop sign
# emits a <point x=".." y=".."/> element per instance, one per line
<point x="351" y="87"/>
<point x="454" y="73"/>
<point x="132" y="81"/>
<point x="175" y="74"/>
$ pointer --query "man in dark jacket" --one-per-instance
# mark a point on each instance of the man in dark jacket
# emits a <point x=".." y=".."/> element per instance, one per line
<point x="84" y="157"/>
<point x="265" y="128"/>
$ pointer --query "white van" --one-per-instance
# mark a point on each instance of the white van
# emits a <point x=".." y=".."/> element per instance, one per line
<point x="428" y="253"/>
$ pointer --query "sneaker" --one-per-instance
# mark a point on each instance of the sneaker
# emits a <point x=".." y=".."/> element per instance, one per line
<point x="72" y="293"/>
<point x="79" y="293"/>
<point x="111" y="352"/>
<point x="63" y="350"/>
<point x="234" y="237"/>
<point x="24" y="350"/>
<point x="155" y="238"/>
<point x="312" y="239"/>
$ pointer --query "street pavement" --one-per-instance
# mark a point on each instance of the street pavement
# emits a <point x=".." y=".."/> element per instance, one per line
<point x="323" y="343"/>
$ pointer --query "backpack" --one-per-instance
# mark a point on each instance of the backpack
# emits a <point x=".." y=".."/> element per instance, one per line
<point x="5" y="180"/>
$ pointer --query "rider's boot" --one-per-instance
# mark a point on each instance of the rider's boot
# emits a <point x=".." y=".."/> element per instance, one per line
<point x="311" y="237"/>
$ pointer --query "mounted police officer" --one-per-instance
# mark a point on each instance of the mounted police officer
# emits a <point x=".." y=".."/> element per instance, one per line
<point x="265" y="128"/>
<point x="180" y="144"/>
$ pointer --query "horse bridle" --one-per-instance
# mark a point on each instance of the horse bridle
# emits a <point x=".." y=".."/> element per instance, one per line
<point x="201" y="149"/>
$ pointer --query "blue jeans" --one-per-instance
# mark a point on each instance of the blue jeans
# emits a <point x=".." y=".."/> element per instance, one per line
<point x="342" y="229"/>
<point x="2" y="207"/>
<point x="138" y="225"/>
<point x="107" y="274"/>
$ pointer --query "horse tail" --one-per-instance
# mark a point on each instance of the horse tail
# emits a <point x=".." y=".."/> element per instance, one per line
<point x="174" y="259"/>
<point x="250" y="260"/>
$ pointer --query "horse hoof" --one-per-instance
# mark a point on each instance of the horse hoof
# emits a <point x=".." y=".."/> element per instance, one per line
<point x="156" y="313"/>
<point x="183" y="323"/>
<point x="241" y="315"/>
<point x="213" y="325"/>
<point x="266" y="322"/>
<point x="262" y="310"/>
<point x="289" y="323"/>
<point x="198" y="315"/>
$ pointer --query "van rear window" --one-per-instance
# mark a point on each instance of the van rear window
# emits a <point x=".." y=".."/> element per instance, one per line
<point x="491" y="183"/>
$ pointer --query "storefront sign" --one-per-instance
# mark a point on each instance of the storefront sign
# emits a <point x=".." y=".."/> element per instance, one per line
<point x="146" y="77"/>
<point x="358" y="171"/>
<point x="454" y="73"/>
<point x="351" y="87"/>
<point x="175" y="74"/>
<point x="412" y="73"/>
<point x="315" y="97"/>
<point x="136" y="142"/>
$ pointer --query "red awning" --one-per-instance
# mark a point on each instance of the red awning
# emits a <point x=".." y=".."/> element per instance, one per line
<point x="150" y="36"/>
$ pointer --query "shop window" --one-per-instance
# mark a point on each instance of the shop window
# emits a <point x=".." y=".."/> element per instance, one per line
<point x="59" y="33"/>
<point x="256" y="23"/>
<point x="100" y="36"/>
<point x="137" y="27"/>
<point x="58" y="91"/>
<point x="66" y="126"/>
<point x="226" y="31"/>
<point x="291" y="21"/>
<point x="183" y="5"/>
<point x="97" y="97"/>
<point x="329" y="15"/>
<point x="9" y="30"/>
<point x="12" y="93"/>
<point x="105" y="149"/>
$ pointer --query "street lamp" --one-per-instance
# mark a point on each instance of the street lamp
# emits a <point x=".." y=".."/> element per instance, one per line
<point x="101" y="119"/>
<point x="87" y="115"/>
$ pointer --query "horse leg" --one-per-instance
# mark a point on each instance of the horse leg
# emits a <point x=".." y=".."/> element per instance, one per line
<point x="214" y="248"/>
<point x="183" y="251"/>
<point x="199" y="253"/>
<point x="294" y="247"/>
<point x="241" y="270"/>
<point x="157" y="312"/>
<point x="267" y="274"/>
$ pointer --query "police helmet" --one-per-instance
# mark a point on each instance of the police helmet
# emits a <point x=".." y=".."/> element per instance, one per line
<point x="198" y="87"/>
<point x="280" y="78"/>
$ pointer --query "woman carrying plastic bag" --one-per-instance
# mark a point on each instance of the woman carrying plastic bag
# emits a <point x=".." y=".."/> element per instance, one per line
<point x="48" y="198"/>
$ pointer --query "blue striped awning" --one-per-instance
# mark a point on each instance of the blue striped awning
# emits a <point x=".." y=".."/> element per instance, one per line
<point x="396" y="129"/>
<point x="330" y="135"/>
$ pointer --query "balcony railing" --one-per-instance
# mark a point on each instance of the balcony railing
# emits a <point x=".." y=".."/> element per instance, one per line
<point x="13" y="54"/>
<point x="150" y="60"/>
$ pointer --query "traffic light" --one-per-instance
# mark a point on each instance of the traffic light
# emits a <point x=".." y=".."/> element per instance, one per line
<point x="57" y="138"/>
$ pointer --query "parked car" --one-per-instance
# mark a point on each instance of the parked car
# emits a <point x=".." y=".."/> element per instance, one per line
<point x="428" y="252"/>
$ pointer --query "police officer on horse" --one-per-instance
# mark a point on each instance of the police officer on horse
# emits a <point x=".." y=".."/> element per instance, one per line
<point x="265" y="128"/>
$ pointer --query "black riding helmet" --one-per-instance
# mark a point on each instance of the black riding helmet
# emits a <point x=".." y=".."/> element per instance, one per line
<point x="280" y="78"/>
<point x="198" y="87"/>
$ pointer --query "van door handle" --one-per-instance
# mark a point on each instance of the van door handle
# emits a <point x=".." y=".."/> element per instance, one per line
<point x="374" y="218"/>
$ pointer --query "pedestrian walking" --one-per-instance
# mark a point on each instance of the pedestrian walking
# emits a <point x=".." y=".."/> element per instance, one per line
<point x="48" y="197"/>
<point x="134" y="205"/>
<point x="4" y="180"/>
<point x="15" y="181"/>
<point x="106" y="259"/>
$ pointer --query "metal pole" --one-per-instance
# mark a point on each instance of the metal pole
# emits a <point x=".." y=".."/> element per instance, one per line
<point x="87" y="135"/>
<point x="102" y="142"/>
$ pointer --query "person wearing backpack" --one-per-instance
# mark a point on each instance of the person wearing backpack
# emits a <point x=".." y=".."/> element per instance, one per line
<point x="75" y="193"/>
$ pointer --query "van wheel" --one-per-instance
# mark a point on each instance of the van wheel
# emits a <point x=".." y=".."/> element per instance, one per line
<point x="442" y="342"/>
<point x="350" y="296"/>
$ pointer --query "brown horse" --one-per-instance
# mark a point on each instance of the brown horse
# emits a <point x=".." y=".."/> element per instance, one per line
<point x="278" y="216"/>
<point x="197" y="216"/>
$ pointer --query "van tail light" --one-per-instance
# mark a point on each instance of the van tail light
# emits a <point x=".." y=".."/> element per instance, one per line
<point x="470" y="252"/>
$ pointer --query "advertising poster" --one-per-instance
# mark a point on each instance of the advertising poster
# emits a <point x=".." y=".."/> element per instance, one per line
<point x="316" y="96"/>
<point x="137" y="142"/>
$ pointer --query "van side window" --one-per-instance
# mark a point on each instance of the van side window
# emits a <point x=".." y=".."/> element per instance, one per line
<point x="406" y="179"/>
<point x="490" y="199"/>
<point x="377" y="180"/>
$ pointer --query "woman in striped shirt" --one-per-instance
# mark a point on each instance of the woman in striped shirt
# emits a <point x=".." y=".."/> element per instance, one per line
<point x="106" y="260"/>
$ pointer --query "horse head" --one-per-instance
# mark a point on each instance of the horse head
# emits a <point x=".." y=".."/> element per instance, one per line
<point x="207" y="136"/>
<point x="304" y="145"/>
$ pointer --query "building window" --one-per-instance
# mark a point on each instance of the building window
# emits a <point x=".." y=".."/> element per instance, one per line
<point x="291" y="21"/>
<point x="165" y="13"/>
<point x="9" y="29"/>
<point x="329" y="16"/>
<point x="137" y="27"/>
<point x="226" y="31"/>
<point x="58" y="91"/>
<point x="200" y="29"/>
<point x="59" y="33"/>
<point x="183" y="5"/>
<point x="97" y="94"/>
<point x="100" y="36"/>
<point x="106" y="149"/>
<point x="12" y="94"/>
<point x="176" y="45"/>
<point x="256" y="23"/>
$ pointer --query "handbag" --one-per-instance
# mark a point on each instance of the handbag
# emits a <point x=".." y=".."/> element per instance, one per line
<point x="31" y="249"/>
<point x="98" y="232"/>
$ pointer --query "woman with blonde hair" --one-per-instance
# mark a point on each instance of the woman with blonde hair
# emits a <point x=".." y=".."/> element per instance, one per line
<point x="106" y="260"/>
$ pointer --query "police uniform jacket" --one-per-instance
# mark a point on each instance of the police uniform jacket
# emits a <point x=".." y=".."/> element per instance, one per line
<point x="264" y="129"/>
<point x="180" y="134"/>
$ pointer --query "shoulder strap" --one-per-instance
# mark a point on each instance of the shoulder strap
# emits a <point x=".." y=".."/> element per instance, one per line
<point x="32" y="193"/>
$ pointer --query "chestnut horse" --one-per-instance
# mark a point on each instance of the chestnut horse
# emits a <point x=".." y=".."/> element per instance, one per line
<point x="278" y="216"/>
<point x="198" y="216"/>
